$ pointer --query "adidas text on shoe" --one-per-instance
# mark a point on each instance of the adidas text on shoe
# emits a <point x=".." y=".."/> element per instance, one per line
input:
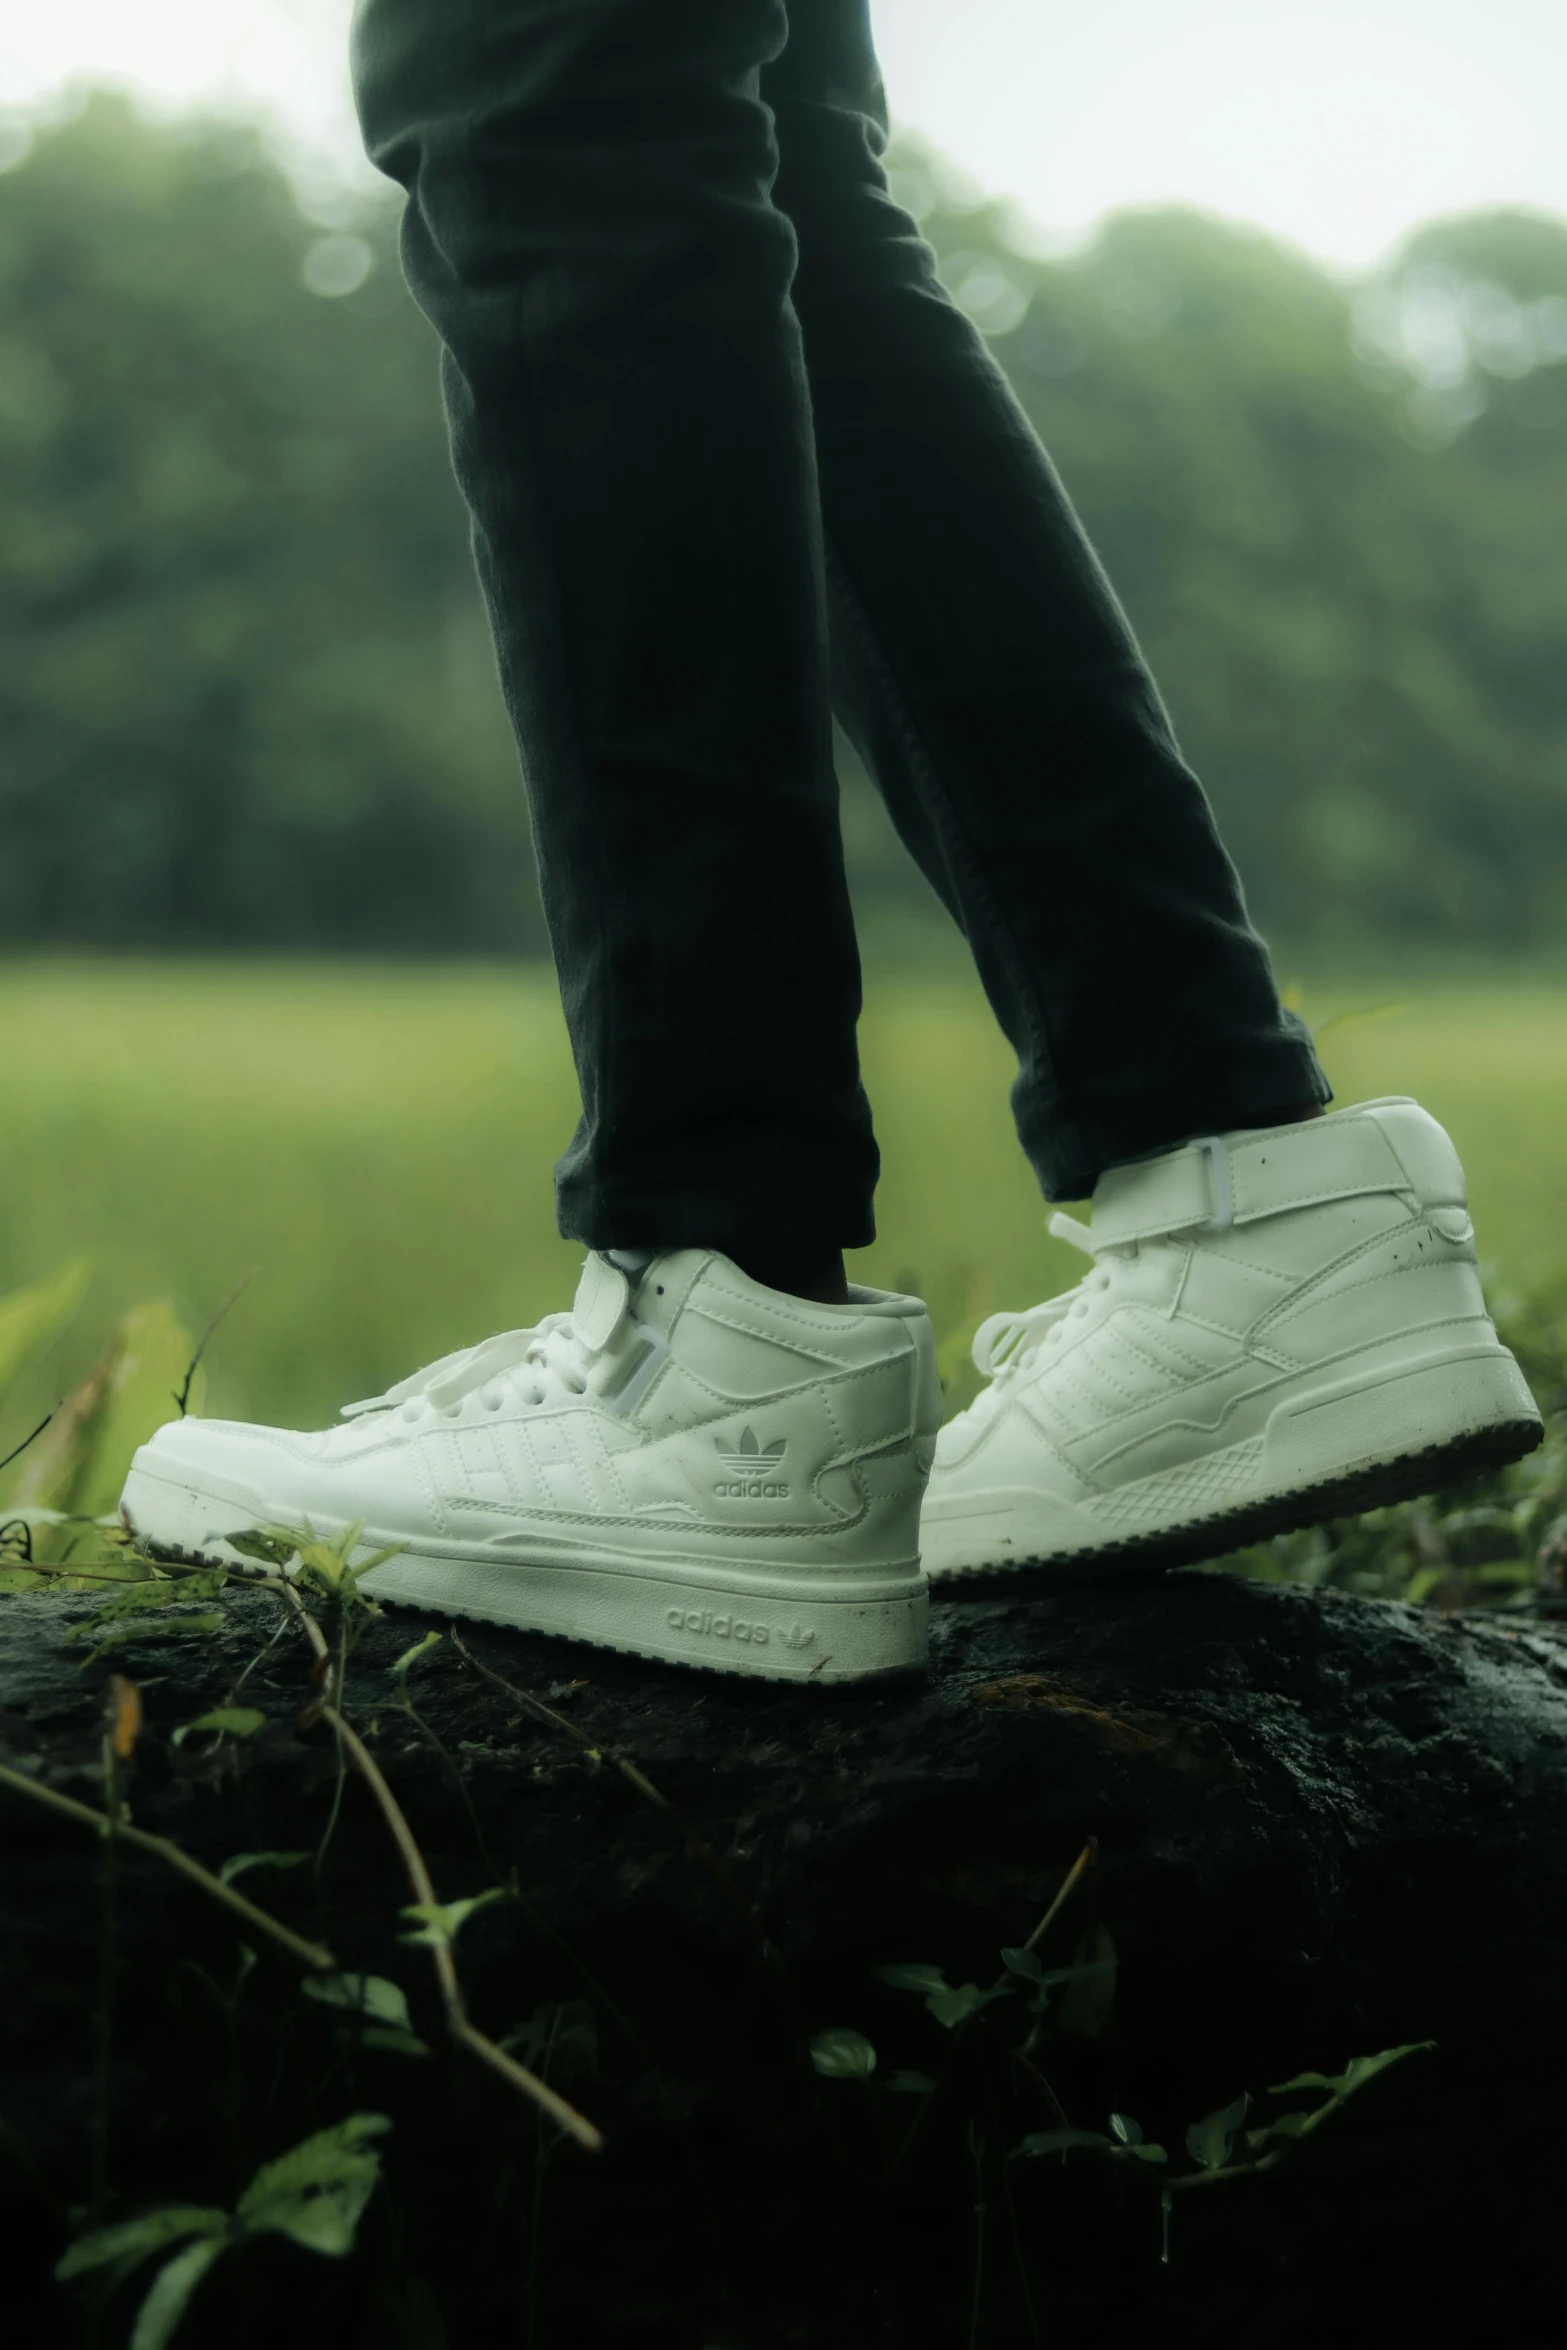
<point x="1282" y="1325"/>
<point x="687" y="1466"/>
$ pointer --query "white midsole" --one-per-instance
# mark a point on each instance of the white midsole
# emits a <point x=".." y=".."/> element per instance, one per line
<point x="1313" y="1436"/>
<point x="832" y="1623"/>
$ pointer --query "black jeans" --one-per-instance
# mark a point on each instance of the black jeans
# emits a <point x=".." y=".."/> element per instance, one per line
<point x="734" y="460"/>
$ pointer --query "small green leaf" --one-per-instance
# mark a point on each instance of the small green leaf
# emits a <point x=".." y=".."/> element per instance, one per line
<point x="316" y="2192"/>
<point x="907" y="2084"/>
<point x="273" y="1550"/>
<point x="441" y="1921"/>
<point x="239" y="1862"/>
<point x="954" y="2005"/>
<point x="392" y="2042"/>
<point x="168" y="2297"/>
<point x="229" y="1721"/>
<point x="1287" y="2126"/>
<point x="1024" y="1963"/>
<point x="371" y="1995"/>
<point x="133" y="2240"/>
<point x="910" y="1975"/>
<point x="1123" y="2127"/>
<point x="411" y="1656"/>
<point x="1420" y="1586"/>
<point x="842" y="2054"/>
<point x="1209" y="2141"/>
<point x="1356" y="2073"/>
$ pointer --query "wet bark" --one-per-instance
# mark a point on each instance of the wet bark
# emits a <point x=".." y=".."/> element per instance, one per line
<point x="1324" y="1825"/>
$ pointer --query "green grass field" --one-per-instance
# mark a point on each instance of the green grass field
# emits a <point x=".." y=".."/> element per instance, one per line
<point x="378" y="1142"/>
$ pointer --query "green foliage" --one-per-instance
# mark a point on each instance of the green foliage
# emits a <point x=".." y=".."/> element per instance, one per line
<point x="239" y="1864"/>
<point x="843" y="2054"/>
<point x="316" y="2192"/>
<point x="1210" y="2140"/>
<point x="31" y="1318"/>
<point x="951" y="2004"/>
<point x="223" y="1721"/>
<point x="315" y="2195"/>
<point x="245" y="684"/>
<point x="244" y="680"/>
<point x="76" y="1468"/>
<point x="381" y="2005"/>
<point x="442" y="1921"/>
<point x="412" y="1656"/>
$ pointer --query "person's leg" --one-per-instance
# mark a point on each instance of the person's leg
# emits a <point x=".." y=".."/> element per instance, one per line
<point x="689" y="1464"/>
<point x="993" y="687"/>
<point x="1284" y="1319"/>
<point x="590" y="230"/>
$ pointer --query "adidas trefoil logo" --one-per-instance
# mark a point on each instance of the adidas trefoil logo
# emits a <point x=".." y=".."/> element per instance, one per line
<point x="752" y="1470"/>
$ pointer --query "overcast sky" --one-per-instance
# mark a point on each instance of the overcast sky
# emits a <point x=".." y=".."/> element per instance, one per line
<point x="1336" y="123"/>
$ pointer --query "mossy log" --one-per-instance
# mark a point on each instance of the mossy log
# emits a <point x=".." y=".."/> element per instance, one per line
<point x="1324" y="1825"/>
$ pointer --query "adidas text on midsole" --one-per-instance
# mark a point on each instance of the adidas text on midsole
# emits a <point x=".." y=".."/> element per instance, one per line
<point x="728" y="1616"/>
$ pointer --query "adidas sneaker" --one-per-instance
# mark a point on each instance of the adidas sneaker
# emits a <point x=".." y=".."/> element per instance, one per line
<point x="1281" y="1325"/>
<point x="687" y="1465"/>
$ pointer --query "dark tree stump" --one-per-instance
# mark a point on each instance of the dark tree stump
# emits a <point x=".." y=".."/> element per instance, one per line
<point x="1325" y="1825"/>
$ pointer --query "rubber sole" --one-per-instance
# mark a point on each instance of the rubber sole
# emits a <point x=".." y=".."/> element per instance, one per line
<point x="697" y="1621"/>
<point x="1404" y="1477"/>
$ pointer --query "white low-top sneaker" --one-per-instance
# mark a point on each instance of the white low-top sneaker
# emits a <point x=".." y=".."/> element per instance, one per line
<point x="1282" y="1325"/>
<point x="687" y="1466"/>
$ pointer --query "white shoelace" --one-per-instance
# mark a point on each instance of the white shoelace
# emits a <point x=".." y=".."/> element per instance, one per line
<point x="552" y="1357"/>
<point x="1005" y="1344"/>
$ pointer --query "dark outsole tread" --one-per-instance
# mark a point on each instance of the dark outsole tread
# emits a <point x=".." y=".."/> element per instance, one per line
<point x="1405" y="1478"/>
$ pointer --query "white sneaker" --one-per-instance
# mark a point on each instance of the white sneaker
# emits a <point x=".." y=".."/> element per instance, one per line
<point x="1282" y="1325"/>
<point x="689" y="1466"/>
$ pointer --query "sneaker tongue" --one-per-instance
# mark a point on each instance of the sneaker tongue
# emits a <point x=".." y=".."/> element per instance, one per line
<point x="600" y="1305"/>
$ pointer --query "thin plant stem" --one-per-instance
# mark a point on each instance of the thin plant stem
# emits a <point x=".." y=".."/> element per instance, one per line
<point x="334" y="1813"/>
<point x="310" y="1954"/>
<point x="103" y="2059"/>
<point x="17" y="1451"/>
<point x="977" y="2150"/>
<point x="1021" y="2058"/>
<point x="536" y="2221"/>
<point x="1017" y="2236"/>
<point x="235" y="1294"/>
<point x="1074" y="1876"/>
<point x="260" y="1657"/>
<point x="460" y="2026"/>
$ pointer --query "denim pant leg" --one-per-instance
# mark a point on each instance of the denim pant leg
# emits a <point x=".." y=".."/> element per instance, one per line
<point x="990" y="681"/>
<point x="590" y="229"/>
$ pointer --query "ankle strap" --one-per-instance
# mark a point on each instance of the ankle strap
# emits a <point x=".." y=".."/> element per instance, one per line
<point x="1224" y="1180"/>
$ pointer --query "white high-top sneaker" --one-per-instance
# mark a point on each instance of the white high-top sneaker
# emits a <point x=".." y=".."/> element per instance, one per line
<point x="1282" y="1325"/>
<point x="687" y="1465"/>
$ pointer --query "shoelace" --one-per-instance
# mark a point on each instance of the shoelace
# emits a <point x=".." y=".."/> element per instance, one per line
<point x="552" y="1353"/>
<point x="1005" y="1344"/>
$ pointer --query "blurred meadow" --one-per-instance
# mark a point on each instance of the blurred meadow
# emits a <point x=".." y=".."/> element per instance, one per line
<point x="376" y="1141"/>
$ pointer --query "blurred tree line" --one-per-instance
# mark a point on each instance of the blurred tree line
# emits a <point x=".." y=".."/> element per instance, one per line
<point x="246" y="693"/>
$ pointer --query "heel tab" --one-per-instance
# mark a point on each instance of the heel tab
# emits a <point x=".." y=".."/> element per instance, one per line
<point x="1425" y="1151"/>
